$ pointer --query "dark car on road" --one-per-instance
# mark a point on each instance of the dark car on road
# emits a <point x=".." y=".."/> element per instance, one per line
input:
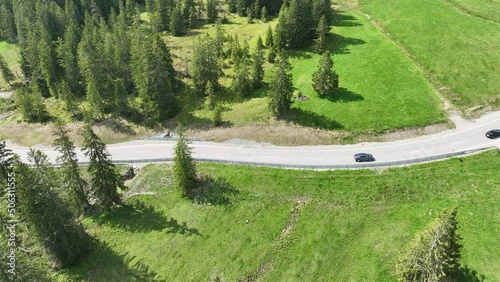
<point x="364" y="157"/>
<point x="492" y="134"/>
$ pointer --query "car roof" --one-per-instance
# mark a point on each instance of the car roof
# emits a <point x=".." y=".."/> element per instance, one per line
<point x="361" y="154"/>
<point x="495" y="130"/>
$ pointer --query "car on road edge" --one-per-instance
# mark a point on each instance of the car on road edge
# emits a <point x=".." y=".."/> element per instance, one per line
<point x="492" y="134"/>
<point x="364" y="157"/>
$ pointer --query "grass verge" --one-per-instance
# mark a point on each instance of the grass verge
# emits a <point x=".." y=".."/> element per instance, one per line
<point x="302" y="225"/>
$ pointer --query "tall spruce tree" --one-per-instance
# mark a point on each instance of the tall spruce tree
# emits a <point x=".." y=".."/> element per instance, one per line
<point x="105" y="179"/>
<point x="72" y="180"/>
<point x="280" y="95"/>
<point x="6" y="160"/>
<point x="154" y="75"/>
<point x="177" y="23"/>
<point x="212" y="12"/>
<point x="210" y="99"/>
<point x="184" y="166"/>
<point x="269" y="37"/>
<point x="325" y="81"/>
<point x="321" y="32"/>
<point x="242" y="81"/>
<point x="31" y="104"/>
<point x="7" y="74"/>
<point x="258" y="65"/>
<point x="64" y="240"/>
<point x="434" y="253"/>
<point x="205" y="65"/>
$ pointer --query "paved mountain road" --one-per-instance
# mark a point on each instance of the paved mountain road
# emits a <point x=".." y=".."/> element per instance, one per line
<point x="467" y="136"/>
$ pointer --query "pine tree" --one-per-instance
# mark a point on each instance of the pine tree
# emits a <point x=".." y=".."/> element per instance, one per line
<point x="250" y="15"/>
<point x="184" y="166"/>
<point x="105" y="179"/>
<point x="242" y="83"/>
<point x="154" y="75"/>
<point x="258" y="65"/>
<point x="217" y="121"/>
<point x="220" y="38"/>
<point x="232" y="6"/>
<point x="434" y="253"/>
<point x="210" y="96"/>
<point x="68" y="97"/>
<point x="177" y="26"/>
<point x="7" y="74"/>
<point x="31" y="104"/>
<point x="321" y="8"/>
<point x="193" y="17"/>
<point x="6" y="160"/>
<point x="324" y="80"/>
<point x="281" y="92"/>
<point x="64" y="240"/>
<point x="72" y="180"/>
<point x="205" y="65"/>
<point x="212" y="12"/>
<point x="263" y="14"/>
<point x="321" y="32"/>
<point x="269" y="37"/>
<point x="282" y="36"/>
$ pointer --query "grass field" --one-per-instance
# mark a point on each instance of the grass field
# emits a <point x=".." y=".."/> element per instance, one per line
<point x="302" y="225"/>
<point x="459" y="50"/>
<point x="8" y="51"/>
<point x="381" y="89"/>
<point x="488" y="9"/>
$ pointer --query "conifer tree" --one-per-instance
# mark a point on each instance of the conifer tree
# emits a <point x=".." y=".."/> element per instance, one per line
<point x="31" y="104"/>
<point x="263" y="14"/>
<point x="212" y="12"/>
<point x="210" y="96"/>
<point x="7" y="74"/>
<point x="232" y="6"/>
<point x="325" y="81"/>
<point x="177" y="26"/>
<point x="220" y="38"/>
<point x="72" y="180"/>
<point x="242" y="83"/>
<point x="258" y="65"/>
<point x="205" y="65"/>
<point x="269" y="37"/>
<point x="6" y="160"/>
<point x="321" y="8"/>
<point x="434" y="253"/>
<point x="193" y="17"/>
<point x="154" y="75"/>
<point x="217" y="121"/>
<point x="184" y="166"/>
<point x="105" y="179"/>
<point x="280" y="95"/>
<point x="321" y="32"/>
<point x="64" y="240"/>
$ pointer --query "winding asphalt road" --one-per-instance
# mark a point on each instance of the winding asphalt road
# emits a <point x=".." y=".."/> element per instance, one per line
<point x="467" y="136"/>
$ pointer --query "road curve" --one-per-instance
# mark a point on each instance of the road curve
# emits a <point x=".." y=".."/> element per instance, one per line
<point x="466" y="137"/>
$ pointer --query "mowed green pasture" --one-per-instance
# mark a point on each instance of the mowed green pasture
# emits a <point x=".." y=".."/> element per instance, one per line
<point x="302" y="225"/>
<point x="9" y="52"/>
<point x="459" y="50"/>
<point x="381" y="89"/>
<point x="488" y="9"/>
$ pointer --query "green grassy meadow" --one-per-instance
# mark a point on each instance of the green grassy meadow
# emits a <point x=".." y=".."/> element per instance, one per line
<point x="302" y="225"/>
<point x="9" y="52"/>
<point x="488" y="9"/>
<point x="381" y="89"/>
<point x="459" y="50"/>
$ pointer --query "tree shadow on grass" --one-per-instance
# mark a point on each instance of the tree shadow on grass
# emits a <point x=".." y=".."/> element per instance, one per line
<point x="344" y="95"/>
<point x="465" y="274"/>
<point x="341" y="19"/>
<point x="311" y="119"/>
<point x="134" y="217"/>
<point x="182" y="228"/>
<point x="104" y="264"/>
<point x="117" y="125"/>
<point x="338" y="44"/>
<point x="213" y="191"/>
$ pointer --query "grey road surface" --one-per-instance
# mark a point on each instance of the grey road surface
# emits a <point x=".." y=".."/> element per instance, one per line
<point x="465" y="137"/>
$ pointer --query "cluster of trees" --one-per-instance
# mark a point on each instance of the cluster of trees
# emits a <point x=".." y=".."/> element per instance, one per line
<point x="98" y="51"/>
<point x="102" y="53"/>
<point x="48" y="203"/>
